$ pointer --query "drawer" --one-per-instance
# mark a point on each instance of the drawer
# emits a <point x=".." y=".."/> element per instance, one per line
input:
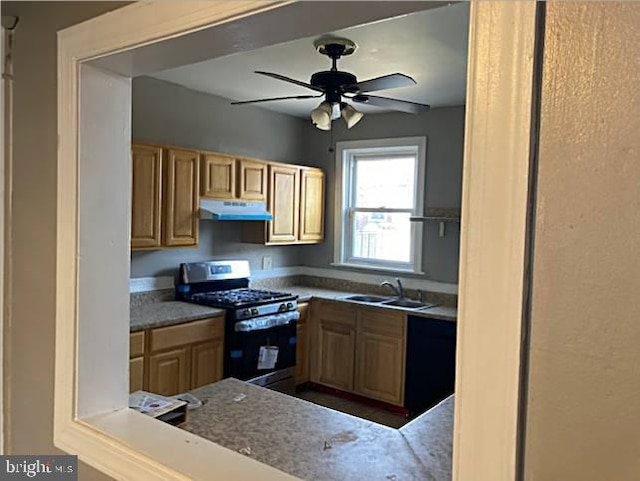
<point x="383" y="321"/>
<point x="335" y="313"/>
<point x="195" y="331"/>
<point x="136" y="344"/>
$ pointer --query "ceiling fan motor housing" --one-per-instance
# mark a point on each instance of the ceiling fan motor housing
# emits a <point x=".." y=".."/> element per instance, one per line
<point x="334" y="83"/>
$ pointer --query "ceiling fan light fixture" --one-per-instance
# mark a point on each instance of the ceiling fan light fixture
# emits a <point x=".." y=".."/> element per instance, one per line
<point x="350" y="115"/>
<point x="322" y="115"/>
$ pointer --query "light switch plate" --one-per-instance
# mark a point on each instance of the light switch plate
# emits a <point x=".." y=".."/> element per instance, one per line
<point x="267" y="263"/>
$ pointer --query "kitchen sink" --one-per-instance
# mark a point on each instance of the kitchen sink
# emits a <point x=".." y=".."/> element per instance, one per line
<point x="375" y="299"/>
<point x="408" y="303"/>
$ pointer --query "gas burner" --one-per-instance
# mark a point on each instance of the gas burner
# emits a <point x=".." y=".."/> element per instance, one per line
<point x="238" y="297"/>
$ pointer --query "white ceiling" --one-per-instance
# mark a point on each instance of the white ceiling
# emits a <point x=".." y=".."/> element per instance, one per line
<point x="430" y="46"/>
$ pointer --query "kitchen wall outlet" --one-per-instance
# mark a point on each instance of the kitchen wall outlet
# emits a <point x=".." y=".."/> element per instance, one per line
<point x="267" y="263"/>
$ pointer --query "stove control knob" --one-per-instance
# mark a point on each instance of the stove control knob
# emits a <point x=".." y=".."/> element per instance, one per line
<point x="289" y="305"/>
<point x="283" y="307"/>
<point x="246" y="312"/>
<point x="254" y="311"/>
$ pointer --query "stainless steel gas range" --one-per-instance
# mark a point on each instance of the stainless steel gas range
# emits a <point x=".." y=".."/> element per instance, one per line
<point x="260" y="325"/>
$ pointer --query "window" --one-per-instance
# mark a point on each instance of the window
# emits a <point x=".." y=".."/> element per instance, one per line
<point x="381" y="185"/>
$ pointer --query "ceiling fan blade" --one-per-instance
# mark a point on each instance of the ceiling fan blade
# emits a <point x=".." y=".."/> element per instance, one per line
<point x="393" y="104"/>
<point x="292" y="97"/>
<point x="392" y="81"/>
<point x="290" y="80"/>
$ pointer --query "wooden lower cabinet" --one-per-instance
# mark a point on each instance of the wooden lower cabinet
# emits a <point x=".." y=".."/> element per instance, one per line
<point x="359" y="350"/>
<point x="137" y="341"/>
<point x="177" y="358"/>
<point x="136" y="374"/>
<point x="336" y="364"/>
<point x="333" y="344"/>
<point x="302" y="345"/>
<point x="380" y="367"/>
<point x="206" y="363"/>
<point x="381" y="354"/>
<point x="169" y="372"/>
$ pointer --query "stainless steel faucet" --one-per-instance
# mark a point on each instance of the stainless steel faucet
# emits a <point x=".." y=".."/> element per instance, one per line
<point x="398" y="290"/>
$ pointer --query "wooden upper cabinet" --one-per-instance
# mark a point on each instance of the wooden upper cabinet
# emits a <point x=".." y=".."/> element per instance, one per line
<point x="252" y="180"/>
<point x="284" y="203"/>
<point x="218" y="176"/>
<point x="311" y="205"/>
<point x="181" y="198"/>
<point x="146" y="196"/>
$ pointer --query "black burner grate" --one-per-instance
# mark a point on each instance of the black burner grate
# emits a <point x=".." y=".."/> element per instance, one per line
<point x="238" y="297"/>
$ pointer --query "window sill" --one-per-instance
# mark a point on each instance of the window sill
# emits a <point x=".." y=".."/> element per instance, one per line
<point x="380" y="269"/>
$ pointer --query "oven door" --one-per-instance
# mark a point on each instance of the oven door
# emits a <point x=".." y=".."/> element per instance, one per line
<point x="261" y="346"/>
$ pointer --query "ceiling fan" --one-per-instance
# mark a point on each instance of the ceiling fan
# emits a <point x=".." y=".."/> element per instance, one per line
<point x="337" y="86"/>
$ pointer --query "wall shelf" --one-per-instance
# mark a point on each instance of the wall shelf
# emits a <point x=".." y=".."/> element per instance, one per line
<point x="441" y="219"/>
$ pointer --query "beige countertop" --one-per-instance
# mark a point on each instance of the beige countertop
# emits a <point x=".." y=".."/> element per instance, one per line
<point x="305" y="293"/>
<point x="167" y="313"/>
<point x="317" y="443"/>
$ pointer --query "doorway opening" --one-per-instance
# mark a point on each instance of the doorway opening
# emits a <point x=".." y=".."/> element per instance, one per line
<point x="104" y="254"/>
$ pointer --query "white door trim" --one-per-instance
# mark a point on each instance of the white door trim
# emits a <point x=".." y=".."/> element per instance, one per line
<point x="3" y="159"/>
<point x="128" y="445"/>
<point x="492" y="244"/>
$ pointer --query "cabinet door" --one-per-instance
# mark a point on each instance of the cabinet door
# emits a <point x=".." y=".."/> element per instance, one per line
<point x="181" y="198"/>
<point x="252" y="183"/>
<point x="169" y="372"/>
<point x="337" y="349"/>
<point x="136" y="374"/>
<point x="283" y="203"/>
<point x="311" y="205"/>
<point x="206" y="363"/>
<point x="302" y="346"/>
<point x="218" y="176"/>
<point x="146" y="196"/>
<point x="380" y="367"/>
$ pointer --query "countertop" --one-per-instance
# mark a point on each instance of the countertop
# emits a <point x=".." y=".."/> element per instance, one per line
<point x="317" y="443"/>
<point x="167" y="313"/>
<point x="307" y="293"/>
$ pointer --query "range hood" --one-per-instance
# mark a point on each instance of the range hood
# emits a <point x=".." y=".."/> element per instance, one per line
<point x="233" y="210"/>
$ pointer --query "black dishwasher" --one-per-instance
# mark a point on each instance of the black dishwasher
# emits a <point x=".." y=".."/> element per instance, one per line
<point x="431" y="363"/>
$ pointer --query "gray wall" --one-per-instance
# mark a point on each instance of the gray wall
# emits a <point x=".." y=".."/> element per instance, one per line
<point x="166" y="113"/>
<point x="218" y="240"/>
<point x="444" y="129"/>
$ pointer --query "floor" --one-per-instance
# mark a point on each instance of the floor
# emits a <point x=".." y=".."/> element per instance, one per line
<point x="381" y="416"/>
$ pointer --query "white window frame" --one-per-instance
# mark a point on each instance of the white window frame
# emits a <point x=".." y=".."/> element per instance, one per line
<point x="346" y="154"/>
<point x="128" y="445"/>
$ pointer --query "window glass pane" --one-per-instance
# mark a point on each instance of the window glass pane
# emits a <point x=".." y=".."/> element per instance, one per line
<point x="382" y="236"/>
<point x="384" y="182"/>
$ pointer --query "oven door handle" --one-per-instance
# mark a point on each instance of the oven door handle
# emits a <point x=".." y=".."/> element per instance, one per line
<point x="267" y="322"/>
